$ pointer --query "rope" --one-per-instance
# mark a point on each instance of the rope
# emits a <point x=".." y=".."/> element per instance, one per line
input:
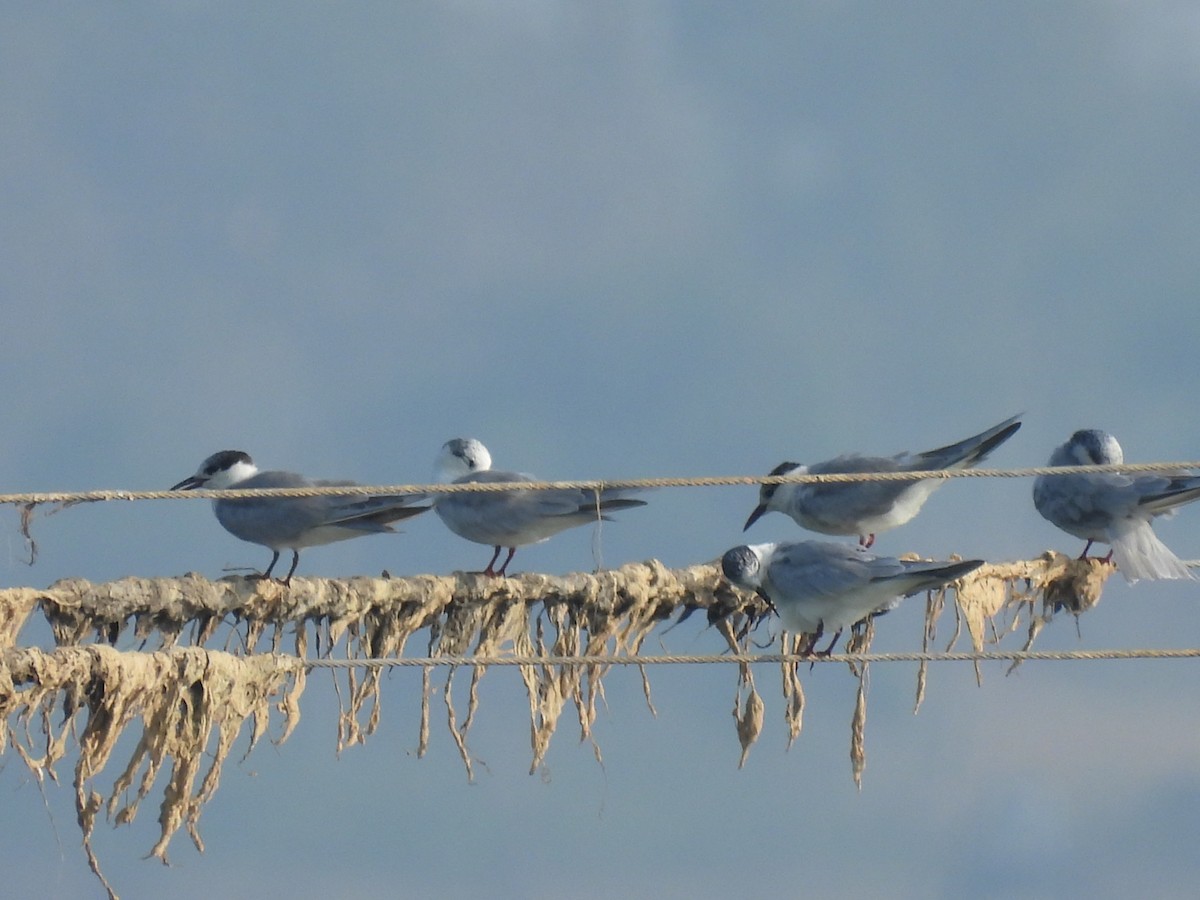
<point x="745" y="658"/>
<point x="356" y="490"/>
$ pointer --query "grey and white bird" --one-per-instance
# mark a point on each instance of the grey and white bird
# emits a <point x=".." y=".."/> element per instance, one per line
<point x="866" y="508"/>
<point x="820" y="586"/>
<point x="511" y="518"/>
<point x="1114" y="508"/>
<point x="293" y="523"/>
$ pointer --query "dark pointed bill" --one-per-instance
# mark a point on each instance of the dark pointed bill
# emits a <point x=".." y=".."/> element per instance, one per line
<point x="755" y="516"/>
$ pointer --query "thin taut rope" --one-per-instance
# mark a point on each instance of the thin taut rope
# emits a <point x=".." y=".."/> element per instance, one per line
<point x="356" y="490"/>
<point x="745" y="658"/>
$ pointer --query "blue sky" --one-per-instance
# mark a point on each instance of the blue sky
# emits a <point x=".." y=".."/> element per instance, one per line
<point x="619" y="241"/>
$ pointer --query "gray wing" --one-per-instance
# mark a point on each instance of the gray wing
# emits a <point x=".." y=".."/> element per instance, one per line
<point x="817" y="586"/>
<point x="1085" y="505"/>
<point x="966" y="452"/>
<point x="922" y="576"/>
<point x="304" y="521"/>
<point x="513" y="518"/>
<point x="371" y="512"/>
<point x="819" y="570"/>
<point x="828" y="570"/>
<point x="1162" y="495"/>
<point x="271" y="520"/>
<point x="846" y="504"/>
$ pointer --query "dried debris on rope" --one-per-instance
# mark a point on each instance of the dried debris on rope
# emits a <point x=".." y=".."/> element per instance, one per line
<point x="191" y="704"/>
<point x="183" y="693"/>
<point x="993" y="600"/>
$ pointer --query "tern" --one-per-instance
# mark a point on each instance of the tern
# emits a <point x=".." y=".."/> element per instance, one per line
<point x="513" y="518"/>
<point x="866" y="508"/>
<point x="1113" y="508"/>
<point x="293" y="523"/>
<point x="820" y="586"/>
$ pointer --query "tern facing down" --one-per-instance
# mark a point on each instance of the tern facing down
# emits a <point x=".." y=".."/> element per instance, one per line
<point x="1112" y="508"/>
<point x="820" y="586"/>
<point x="511" y="518"/>
<point x="866" y="508"/>
<point x="293" y="523"/>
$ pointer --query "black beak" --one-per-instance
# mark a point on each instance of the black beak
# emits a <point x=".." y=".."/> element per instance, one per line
<point x="188" y="484"/>
<point x="755" y="516"/>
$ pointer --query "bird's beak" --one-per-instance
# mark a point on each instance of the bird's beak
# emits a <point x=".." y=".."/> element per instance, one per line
<point x="755" y="516"/>
<point x="190" y="483"/>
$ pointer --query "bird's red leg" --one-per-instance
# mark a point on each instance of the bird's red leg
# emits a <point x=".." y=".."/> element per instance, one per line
<point x="512" y="551"/>
<point x="829" y="650"/>
<point x="489" y="572"/>
<point x="811" y="645"/>
<point x="295" y="562"/>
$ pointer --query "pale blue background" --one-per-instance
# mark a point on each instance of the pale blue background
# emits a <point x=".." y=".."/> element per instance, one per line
<point x="619" y="240"/>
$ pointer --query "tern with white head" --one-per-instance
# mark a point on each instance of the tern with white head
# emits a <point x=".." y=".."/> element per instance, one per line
<point x="511" y="518"/>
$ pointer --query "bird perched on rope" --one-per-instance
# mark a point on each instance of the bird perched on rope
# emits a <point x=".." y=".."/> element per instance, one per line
<point x="1113" y="508"/>
<point x="293" y="523"/>
<point x="820" y="586"/>
<point x="866" y="508"/>
<point x="511" y="518"/>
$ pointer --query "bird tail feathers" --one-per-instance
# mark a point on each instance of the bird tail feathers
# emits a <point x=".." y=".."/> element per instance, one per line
<point x="1139" y="553"/>
<point x="615" y="498"/>
<point x="974" y="449"/>
<point x="1166" y="502"/>
<point x="927" y="576"/>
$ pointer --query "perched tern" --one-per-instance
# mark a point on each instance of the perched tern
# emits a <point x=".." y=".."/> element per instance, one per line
<point x="866" y="508"/>
<point x="1112" y="508"/>
<point x="821" y="586"/>
<point x="293" y="523"/>
<point x="511" y="518"/>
